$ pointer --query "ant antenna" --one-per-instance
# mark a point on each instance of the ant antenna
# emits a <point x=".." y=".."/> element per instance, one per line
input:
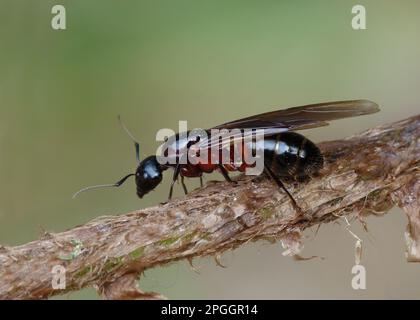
<point x="116" y="184"/>
<point x="136" y="144"/>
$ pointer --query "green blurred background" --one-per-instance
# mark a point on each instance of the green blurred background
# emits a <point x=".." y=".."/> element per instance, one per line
<point x="157" y="62"/>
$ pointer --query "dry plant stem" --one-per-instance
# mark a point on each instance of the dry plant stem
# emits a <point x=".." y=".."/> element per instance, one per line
<point x="365" y="174"/>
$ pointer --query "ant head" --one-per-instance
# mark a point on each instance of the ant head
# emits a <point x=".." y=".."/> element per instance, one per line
<point x="148" y="175"/>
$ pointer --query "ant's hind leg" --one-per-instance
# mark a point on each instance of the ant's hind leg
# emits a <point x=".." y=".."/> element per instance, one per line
<point x="271" y="174"/>
<point x="183" y="185"/>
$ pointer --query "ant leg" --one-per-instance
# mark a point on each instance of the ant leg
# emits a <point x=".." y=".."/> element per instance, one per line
<point x="225" y="174"/>
<point x="201" y="181"/>
<point x="183" y="185"/>
<point x="281" y="185"/>
<point x="174" y="178"/>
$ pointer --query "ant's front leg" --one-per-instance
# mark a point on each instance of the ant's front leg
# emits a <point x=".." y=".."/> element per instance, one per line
<point x="177" y="172"/>
<point x="174" y="179"/>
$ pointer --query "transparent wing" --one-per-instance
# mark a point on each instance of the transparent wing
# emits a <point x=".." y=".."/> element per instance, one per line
<point x="304" y="117"/>
<point x="296" y="118"/>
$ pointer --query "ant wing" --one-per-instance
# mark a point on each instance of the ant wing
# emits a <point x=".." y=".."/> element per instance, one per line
<point x="305" y="117"/>
<point x="296" y="118"/>
<point x="238" y="135"/>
